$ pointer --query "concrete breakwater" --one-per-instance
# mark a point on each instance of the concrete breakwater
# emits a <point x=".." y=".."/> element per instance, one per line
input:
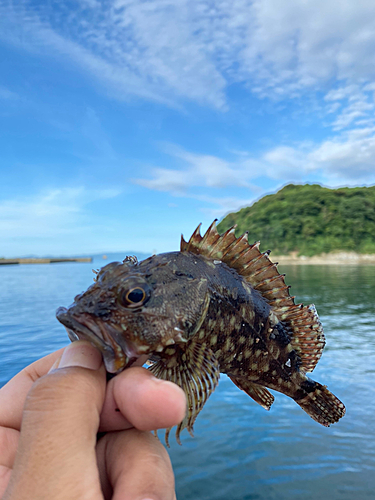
<point x="44" y="260"/>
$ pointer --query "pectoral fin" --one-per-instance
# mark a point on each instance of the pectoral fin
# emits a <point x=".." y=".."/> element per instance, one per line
<point x="259" y="393"/>
<point x="195" y="369"/>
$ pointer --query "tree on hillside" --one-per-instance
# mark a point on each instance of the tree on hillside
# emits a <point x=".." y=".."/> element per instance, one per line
<point x="310" y="219"/>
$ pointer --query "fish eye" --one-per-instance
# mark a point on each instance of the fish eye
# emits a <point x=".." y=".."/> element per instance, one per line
<point x="134" y="297"/>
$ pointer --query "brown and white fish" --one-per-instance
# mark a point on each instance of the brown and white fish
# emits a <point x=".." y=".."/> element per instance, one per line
<point x="217" y="305"/>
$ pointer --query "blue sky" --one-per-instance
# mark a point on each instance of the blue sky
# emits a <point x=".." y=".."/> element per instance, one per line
<point x="124" y="123"/>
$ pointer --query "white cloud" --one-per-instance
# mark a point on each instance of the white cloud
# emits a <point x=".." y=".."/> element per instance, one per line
<point x="356" y="103"/>
<point x="348" y="158"/>
<point x="307" y="44"/>
<point x="168" y="49"/>
<point x="164" y="179"/>
<point x="134" y="51"/>
<point x="199" y="171"/>
<point x="284" y="162"/>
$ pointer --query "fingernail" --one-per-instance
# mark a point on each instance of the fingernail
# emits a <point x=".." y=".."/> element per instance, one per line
<point x="82" y="354"/>
<point x="55" y="365"/>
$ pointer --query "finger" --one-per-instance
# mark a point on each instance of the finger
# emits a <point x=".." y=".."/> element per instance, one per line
<point x="135" y="398"/>
<point x="8" y="447"/>
<point x="56" y="452"/>
<point x="135" y="465"/>
<point x="13" y="394"/>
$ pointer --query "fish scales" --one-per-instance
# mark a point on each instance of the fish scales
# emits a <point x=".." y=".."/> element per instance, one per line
<point x="218" y="305"/>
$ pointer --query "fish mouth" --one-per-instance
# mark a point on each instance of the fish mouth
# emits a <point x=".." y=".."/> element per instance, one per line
<point x="117" y="352"/>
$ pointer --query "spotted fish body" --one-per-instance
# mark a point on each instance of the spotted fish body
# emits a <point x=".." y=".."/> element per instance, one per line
<point x="217" y="305"/>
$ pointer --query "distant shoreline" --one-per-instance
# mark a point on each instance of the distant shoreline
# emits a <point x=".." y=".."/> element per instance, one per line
<point x="334" y="258"/>
<point x="44" y="260"/>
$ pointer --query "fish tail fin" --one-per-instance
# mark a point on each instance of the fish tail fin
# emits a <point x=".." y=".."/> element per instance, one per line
<point x="321" y="404"/>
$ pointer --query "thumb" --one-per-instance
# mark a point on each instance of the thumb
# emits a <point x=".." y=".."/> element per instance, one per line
<point x="56" y="452"/>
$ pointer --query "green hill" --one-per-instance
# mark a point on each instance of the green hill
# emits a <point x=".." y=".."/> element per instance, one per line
<point x="310" y="219"/>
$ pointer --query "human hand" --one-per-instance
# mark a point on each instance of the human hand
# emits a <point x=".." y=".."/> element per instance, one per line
<point x="50" y="414"/>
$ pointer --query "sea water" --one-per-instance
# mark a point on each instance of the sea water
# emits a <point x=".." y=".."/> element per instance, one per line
<point x="240" y="451"/>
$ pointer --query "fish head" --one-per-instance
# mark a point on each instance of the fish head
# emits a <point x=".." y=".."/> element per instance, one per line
<point x="134" y="310"/>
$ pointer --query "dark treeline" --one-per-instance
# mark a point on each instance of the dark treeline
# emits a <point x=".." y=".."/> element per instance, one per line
<point x="310" y="219"/>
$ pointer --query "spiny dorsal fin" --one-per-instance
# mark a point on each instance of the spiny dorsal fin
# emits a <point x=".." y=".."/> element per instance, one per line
<point x="256" y="268"/>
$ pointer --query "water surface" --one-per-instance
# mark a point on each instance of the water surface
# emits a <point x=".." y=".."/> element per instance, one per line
<point x="240" y="451"/>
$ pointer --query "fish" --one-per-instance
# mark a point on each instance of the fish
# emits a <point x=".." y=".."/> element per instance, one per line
<point x="219" y="305"/>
